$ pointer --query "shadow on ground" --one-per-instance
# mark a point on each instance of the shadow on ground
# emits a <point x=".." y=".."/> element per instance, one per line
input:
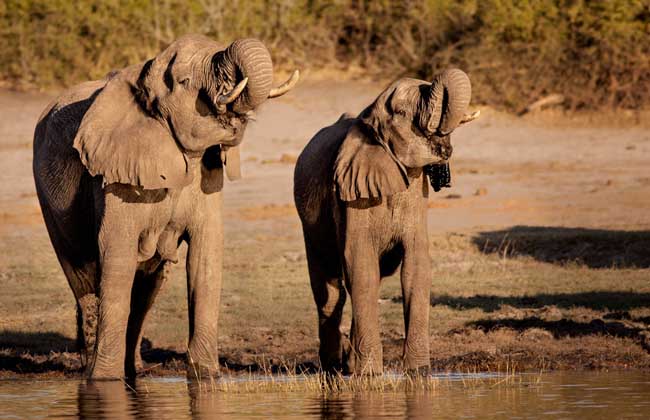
<point x="595" y="248"/>
<point x="561" y="328"/>
<point x="29" y="352"/>
<point x="51" y="352"/>
<point x="598" y="300"/>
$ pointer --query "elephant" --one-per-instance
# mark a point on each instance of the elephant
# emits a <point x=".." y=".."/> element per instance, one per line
<point x="129" y="167"/>
<point x="361" y="193"/>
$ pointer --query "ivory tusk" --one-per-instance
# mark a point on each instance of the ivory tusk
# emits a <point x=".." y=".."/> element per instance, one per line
<point x="233" y="94"/>
<point x="286" y="86"/>
<point x="470" y="117"/>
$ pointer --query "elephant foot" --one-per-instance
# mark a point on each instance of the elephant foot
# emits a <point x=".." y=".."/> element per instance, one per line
<point x="418" y="372"/>
<point x="417" y="362"/>
<point x="335" y="362"/>
<point x="86" y="358"/>
<point x="201" y="372"/>
<point x="364" y="364"/>
<point x="202" y="360"/>
<point x="104" y="369"/>
<point x="106" y="375"/>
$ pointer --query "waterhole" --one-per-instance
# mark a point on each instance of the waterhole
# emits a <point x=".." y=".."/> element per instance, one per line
<point x="605" y="395"/>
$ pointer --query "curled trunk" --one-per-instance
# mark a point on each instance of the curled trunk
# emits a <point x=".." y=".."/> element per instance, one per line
<point x="447" y="102"/>
<point x="246" y="58"/>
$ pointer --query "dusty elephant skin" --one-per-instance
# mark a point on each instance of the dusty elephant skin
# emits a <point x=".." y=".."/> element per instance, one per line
<point x="361" y="194"/>
<point x="128" y="167"/>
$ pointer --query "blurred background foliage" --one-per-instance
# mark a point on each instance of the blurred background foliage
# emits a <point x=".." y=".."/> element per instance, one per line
<point x="596" y="53"/>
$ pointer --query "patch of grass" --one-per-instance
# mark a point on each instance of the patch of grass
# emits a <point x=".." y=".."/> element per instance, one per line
<point x="490" y="310"/>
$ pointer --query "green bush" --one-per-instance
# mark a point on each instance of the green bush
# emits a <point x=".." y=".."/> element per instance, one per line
<point x="596" y="53"/>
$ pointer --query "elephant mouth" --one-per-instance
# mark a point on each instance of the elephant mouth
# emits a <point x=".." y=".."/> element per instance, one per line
<point x="441" y="147"/>
<point x="439" y="175"/>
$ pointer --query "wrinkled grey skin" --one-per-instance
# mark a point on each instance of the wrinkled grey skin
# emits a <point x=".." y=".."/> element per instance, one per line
<point x="128" y="167"/>
<point x="361" y="195"/>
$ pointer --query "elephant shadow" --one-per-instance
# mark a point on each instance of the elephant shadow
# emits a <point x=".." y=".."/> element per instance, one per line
<point x="47" y="352"/>
<point x="596" y="300"/>
<point x="594" y="248"/>
<point x="37" y="352"/>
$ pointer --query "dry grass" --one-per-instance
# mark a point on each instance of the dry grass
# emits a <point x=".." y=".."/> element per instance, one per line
<point x="294" y="380"/>
<point x="493" y="308"/>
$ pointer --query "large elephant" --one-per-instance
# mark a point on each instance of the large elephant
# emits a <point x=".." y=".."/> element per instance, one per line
<point x="361" y="193"/>
<point x="128" y="167"/>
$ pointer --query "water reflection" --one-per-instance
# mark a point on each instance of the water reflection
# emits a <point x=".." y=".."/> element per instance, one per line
<point x="593" y="395"/>
<point x="412" y="405"/>
<point x="105" y="400"/>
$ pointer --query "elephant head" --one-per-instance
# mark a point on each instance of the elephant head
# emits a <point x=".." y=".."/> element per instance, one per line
<point x="150" y="119"/>
<point x="415" y="118"/>
<point x="412" y="121"/>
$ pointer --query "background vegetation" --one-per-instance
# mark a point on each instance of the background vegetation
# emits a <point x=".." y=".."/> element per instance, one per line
<point x="596" y="53"/>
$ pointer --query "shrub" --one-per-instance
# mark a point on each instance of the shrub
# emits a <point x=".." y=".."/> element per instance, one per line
<point x="596" y="53"/>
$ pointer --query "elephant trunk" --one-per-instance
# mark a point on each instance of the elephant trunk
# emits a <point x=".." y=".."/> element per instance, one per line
<point x="448" y="100"/>
<point x="246" y="58"/>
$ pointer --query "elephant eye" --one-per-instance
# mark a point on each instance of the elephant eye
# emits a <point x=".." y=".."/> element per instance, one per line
<point x="184" y="82"/>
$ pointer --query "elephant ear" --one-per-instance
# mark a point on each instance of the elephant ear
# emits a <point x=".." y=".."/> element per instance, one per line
<point x="120" y="141"/>
<point x="366" y="169"/>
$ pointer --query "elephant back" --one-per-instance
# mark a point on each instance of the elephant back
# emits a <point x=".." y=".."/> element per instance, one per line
<point x="57" y="168"/>
<point x="314" y="172"/>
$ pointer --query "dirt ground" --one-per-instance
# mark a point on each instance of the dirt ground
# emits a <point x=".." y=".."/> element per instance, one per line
<point x="540" y="250"/>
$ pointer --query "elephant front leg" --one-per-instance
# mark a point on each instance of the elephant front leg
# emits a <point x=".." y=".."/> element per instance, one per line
<point x="144" y="292"/>
<point x="416" y="288"/>
<point x="362" y="281"/>
<point x="118" y="264"/>
<point x="204" y="273"/>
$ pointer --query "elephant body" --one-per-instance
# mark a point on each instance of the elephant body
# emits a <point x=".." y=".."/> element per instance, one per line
<point x="362" y="242"/>
<point x="361" y="190"/>
<point x="127" y="168"/>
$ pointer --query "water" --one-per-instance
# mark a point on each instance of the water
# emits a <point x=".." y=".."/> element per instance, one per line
<point x="557" y="395"/>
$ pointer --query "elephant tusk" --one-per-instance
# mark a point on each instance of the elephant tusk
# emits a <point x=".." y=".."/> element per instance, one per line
<point x="470" y="117"/>
<point x="233" y="94"/>
<point x="286" y="86"/>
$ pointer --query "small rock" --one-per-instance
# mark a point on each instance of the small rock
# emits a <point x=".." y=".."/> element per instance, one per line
<point x="630" y="147"/>
<point x="481" y="191"/>
<point x="293" y="256"/>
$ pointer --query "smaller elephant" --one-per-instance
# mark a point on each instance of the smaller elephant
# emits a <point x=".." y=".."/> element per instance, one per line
<point x="360" y="187"/>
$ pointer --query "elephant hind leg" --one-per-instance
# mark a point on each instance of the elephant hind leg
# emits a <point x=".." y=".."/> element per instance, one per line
<point x="87" y="312"/>
<point x="329" y="295"/>
<point x="82" y="282"/>
<point x="143" y="293"/>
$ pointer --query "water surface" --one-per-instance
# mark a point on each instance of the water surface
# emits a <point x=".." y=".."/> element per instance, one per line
<point x="555" y="395"/>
